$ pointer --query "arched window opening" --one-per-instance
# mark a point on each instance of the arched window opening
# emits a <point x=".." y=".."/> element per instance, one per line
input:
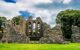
<point x="38" y="25"/>
<point x="34" y="26"/>
<point x="30" y="25"/>
<point x="29" y="29"/>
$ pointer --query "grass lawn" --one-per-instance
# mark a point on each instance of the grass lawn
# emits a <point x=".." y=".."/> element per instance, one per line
<point x="72" y="46"/>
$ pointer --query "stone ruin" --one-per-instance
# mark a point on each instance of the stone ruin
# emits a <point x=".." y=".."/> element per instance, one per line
<point x="34" y="30"/>
<point x="24" y="32"/>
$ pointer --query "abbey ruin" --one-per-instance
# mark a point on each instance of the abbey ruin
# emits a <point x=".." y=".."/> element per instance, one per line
<point x="19" y="30"/>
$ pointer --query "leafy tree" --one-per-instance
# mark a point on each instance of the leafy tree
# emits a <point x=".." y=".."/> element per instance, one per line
<point x="68" y="18"/>
<point x="2" y="21"/>
<point x="16" y="20"/>
<point x="73" y="14"/>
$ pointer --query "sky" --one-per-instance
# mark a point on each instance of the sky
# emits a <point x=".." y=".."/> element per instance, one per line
<point x="46" y="9"/>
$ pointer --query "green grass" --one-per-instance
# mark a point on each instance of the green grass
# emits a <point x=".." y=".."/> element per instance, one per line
<point x="72" y="46"/>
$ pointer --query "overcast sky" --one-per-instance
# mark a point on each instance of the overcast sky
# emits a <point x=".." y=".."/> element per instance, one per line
<point x="46" y="9"/>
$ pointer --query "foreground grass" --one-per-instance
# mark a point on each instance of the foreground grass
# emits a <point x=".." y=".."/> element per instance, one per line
<point x="72" y="46"/>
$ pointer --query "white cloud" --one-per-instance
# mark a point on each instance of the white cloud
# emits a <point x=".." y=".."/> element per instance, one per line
<point x="35" y="1"/>
<point x="10" y="10"/>
<point x="66" y="1"/>
<point x="63" y="1"/>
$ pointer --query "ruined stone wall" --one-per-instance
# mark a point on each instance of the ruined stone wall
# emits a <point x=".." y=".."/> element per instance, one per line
<point x="34" y="28"/>
<point x="22" y="33"/>
<point x="53" y="35"/>
<point x="76" y="34"/>
<point x="15" y="33"/>
<point x="21" y="27"/>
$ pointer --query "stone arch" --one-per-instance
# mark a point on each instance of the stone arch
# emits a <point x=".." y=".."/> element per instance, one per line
<point x="35" y="27"/>
<point x="29" y="29"/>
<point x="38" y="27"/>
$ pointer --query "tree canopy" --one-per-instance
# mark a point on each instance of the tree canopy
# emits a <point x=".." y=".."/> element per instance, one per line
<point x="2" y="21"/>
<point x="68" y="18"/>
<point x="17" y="20"/>
<point x="69" y="14"/>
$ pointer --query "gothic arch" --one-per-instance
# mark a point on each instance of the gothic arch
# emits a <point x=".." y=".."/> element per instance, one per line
<point x="35" y="27"/>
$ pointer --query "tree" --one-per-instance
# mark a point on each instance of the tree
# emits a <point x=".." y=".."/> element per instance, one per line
<point x="74" y="14"/>
<point x="68" y="18"/>
<point x="17" y="20"/>
<point x="2" y="21"/>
